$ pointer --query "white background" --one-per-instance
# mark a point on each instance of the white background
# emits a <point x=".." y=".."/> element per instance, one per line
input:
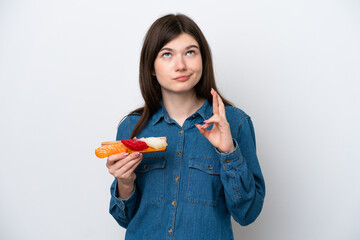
<point x="69" y="73"/>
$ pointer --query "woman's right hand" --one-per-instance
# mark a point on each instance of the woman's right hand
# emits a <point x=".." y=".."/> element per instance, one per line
<point x="122" y="167"/>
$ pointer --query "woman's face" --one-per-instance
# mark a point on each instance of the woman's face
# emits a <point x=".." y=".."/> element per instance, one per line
<point x="178" y="65"/>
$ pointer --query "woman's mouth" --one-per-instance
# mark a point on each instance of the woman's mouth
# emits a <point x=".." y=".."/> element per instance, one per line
<point x="182" y="78"/>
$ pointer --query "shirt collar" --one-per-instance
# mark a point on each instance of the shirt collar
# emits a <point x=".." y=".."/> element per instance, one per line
<point x="205" y="112"/>
<point x="159" y="114"/>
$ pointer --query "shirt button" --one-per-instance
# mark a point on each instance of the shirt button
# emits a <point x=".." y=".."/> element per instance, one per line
<point x="173" y="203"/>
<point x="179" y="153"/>
<point x="194" y="116"/>
<point x="210" y="167"/>
<point x="181" y="131"/>
<point x="170" y="231"/>
<point x="177" y="179"/>
<point x="227" y="160"/>
<point x="145" y="166"/>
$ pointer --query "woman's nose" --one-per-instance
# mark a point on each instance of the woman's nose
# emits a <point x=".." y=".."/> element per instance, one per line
<point x="180" y="64"/>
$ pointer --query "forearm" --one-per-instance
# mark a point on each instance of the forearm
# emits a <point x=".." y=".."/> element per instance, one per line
<point x="125" y="190"/>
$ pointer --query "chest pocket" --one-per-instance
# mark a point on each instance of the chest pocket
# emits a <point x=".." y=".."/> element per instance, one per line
<point x="150" y="178"/>
<point x="204" y="183"/>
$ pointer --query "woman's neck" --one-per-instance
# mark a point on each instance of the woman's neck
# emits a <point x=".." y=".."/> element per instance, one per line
<point x="180" y="106"/>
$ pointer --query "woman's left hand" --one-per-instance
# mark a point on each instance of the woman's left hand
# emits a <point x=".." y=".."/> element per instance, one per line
<point x="220" y="135"/>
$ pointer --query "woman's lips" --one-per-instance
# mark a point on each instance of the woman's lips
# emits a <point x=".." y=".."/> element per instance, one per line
<point x="182" y="78"/>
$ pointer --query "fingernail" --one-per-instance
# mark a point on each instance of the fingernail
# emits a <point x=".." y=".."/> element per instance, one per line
<point x="136" y="154"/>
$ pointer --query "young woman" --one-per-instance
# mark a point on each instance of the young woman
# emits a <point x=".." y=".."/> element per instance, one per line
<point x="209" y="171"/>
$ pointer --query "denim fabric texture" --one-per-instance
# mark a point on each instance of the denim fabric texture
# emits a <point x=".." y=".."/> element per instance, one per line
<point x="191" y="190"/>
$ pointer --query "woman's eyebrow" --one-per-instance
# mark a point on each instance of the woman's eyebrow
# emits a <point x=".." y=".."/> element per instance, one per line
<point x="166" y="49"/>
<point x="192" y="46"/>
<point x="170" y="50"/>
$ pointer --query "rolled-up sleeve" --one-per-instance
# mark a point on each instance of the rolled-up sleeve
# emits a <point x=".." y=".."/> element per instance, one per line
<point x="123" y="210"/>
<point x="242" y="178"/>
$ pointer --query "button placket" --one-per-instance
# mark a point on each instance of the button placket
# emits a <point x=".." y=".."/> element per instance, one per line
<point x="176" y="177"/>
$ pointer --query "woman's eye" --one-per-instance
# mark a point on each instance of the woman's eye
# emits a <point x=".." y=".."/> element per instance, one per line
<point x="190" y="52"/>
<point x="166" y="55"/>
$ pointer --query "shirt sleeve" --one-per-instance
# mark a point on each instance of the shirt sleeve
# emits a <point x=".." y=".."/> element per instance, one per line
<point x="242" y="178"/>
<point x="123" y="210"/>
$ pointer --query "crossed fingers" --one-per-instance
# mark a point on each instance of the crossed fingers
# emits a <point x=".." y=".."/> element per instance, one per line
<point x="219" y="116"/>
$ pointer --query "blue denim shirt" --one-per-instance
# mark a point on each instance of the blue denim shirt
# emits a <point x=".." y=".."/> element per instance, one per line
<point x="191" y="190"/>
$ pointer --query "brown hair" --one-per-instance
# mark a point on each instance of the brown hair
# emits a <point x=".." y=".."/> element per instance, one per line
<point x="162" y="31"/>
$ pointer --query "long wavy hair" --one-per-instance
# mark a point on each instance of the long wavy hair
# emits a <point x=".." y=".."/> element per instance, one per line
<point x="162" y="31"/>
